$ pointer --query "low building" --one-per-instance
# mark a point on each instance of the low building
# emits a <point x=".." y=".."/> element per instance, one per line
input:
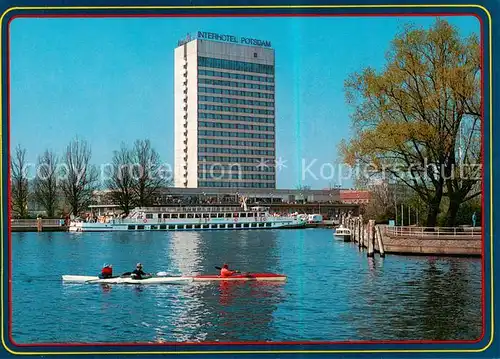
<point x="354" y="196"/>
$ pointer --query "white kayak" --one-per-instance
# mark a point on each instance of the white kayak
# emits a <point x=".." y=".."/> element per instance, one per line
<point x="125" y="280"/>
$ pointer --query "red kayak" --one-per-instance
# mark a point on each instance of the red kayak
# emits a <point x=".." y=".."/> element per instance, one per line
<point x="242" y="277"/>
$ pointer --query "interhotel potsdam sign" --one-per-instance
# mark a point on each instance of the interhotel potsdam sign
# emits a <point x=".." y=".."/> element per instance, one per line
<point x="202" y="35"/>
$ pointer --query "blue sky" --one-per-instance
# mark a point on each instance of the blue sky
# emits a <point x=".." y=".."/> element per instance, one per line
<point x="111" y="80"/>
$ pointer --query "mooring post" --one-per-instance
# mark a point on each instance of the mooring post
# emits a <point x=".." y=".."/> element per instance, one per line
<point x="39" y="226"/>
<point x="371" y="238"/>
<point x="380" y="243"/>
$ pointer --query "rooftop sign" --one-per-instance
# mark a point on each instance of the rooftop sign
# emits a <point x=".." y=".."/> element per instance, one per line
<point x="203" y="35"/>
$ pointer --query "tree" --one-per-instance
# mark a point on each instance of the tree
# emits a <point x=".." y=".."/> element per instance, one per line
<point x="463" y="180"/>
<point x="79" y="177"/>
<point x="149" y="176"/>
<point x="121" y="182"/>
<point x="19" y="183"/>
<point x="407" y="116"/>
<point x="46" y="182"/>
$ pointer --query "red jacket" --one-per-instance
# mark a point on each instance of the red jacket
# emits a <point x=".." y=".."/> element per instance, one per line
<point x="224" y="272"/>
<point x="107" y="271"/>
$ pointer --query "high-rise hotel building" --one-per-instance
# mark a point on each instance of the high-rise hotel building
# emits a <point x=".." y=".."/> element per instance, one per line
<point x="224" y="113"/>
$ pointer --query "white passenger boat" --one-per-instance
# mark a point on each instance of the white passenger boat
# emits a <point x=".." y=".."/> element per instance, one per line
<point x="343" y="233"/>
<point x="125" y="280"/>
<point x="192" y="218"/>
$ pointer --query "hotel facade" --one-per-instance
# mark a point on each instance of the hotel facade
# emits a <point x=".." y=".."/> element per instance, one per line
<point x="224" y="101"/>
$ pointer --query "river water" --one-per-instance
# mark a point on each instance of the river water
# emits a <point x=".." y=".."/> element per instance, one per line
<point x="333" y="292"/>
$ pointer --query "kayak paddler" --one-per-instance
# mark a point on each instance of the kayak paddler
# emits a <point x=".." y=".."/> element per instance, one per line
<point x="226" y="272"/>
<point x="138" y="273"/>
<point x="107" y="271"/>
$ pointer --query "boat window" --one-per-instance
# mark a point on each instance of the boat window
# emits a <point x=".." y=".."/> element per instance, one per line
<point x="166" y="215"/>
<point x="197" y="226"/>
<point x="140" y="227"/>
<point x="130" y="226"/>
<point x="220" y="225"/>
<point x="205" y="226"/>
<point x="213" y="215"/>
<point x="190" y="215"/>
<point x="182" y="215"/>
<point x="261" y="224"/>
<point x="197" y="215"/>
<point x="149" y="216"/>
<point x="171" y="226"/>
<point x="220" y="215"/>
<point x="238" y="225"/>
<point x="189" y="226"/>
<point x="154" y="227"/>
<point x="174" y="215"/>
<point x="243" y="215"/>
<point x="205" y="215"/>
<point x="230" y="225"/>
<point x="246" y="225"/>
<point x="228" y="215"/>
<point x="163" y="226"/>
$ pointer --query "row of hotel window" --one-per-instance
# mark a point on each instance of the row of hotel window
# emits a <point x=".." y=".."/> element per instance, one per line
<point x="235" y="151"/>
<point x="235" y="126"/>
<point x="231" y="168"/>
<point x="228" y="75"/>
<point x="216" y="116"/>
<point x="235" y="84"/>
<point x="205" y="141"/>
<point x="235" y="134"/>
<point x="202" y="89"/>
<point x="220" y="176"/>
<point x="177" y="227"/>
<point x="219" y="159"/>
<point x="235" y="65"/>
<point x="235" y="101"/>
<point x="202" y="106"/>
<point x="235" y="184"/>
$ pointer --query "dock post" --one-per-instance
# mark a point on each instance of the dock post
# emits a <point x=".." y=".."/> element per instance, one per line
<point x="39" y="226"/>
<point x="371" y="238"/>
<point x="380" y="243"/>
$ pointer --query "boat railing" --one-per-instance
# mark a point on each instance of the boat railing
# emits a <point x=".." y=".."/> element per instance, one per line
<point x="188" y="209"/>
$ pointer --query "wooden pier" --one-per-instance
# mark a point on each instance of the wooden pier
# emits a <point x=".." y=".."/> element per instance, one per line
<point x="382" y="239"/>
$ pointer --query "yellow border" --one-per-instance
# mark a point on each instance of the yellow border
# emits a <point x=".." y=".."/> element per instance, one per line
<point x="265" y="7"/>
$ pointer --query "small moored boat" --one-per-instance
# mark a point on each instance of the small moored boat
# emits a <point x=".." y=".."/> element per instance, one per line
<point x="342" y="233"/>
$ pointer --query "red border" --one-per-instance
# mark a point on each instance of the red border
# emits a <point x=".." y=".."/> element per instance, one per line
<point x="197" y="344"/>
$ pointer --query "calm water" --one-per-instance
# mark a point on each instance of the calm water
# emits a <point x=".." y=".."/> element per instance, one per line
<point x="333" y="291"/>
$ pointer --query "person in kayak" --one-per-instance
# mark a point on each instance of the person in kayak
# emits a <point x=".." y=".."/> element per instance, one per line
<point x="138" y="273"/>
<point x="107" y="271"/>
<point x="226" y="272"/>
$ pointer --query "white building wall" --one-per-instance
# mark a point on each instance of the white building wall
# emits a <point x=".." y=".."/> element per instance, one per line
<point x="185" y="56"/>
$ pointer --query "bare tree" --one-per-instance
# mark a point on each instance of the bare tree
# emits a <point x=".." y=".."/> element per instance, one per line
<point x="79" y="177"/>
<point x="149" y="176"/>
<point x="19" y="183"/>
<point x="45" y="183"/>
<point x="121" y="182"/>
